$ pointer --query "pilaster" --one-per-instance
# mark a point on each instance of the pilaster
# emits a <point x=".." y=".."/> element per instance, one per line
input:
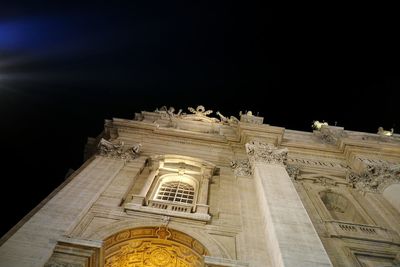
<point x="289" y="230"/>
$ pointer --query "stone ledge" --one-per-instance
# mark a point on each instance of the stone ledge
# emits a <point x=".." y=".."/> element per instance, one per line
<point x="193" y="216"/>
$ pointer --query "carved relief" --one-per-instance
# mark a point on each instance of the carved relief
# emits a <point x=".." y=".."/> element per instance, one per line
<point x="266" y="153"/>
<point x="153" y="247"/>
<point x="375" y="177"/>
<point x="118" y="150"/>
<point x="329" y="134"/>
<point x="241" y="167"/>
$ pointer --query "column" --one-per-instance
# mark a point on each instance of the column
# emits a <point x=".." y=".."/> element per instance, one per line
<point x="290" y="233"/>
<point x="202" y="206"/>
<point x="141" y="197"/>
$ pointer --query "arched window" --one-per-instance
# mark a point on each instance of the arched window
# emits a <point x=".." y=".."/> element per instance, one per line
<point x="340" y="207"/>
<point x="176" y="191"/>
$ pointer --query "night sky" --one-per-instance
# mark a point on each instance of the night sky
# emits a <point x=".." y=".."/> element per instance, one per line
<point x="64" y="69"/>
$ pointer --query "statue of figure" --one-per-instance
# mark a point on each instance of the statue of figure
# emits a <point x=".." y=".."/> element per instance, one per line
<point x="106" y="146"/>
<point x="381" y="131"/>
<point x="317" y="125"/>
<point x="248" y="113"/>
<point x="224" y="119"/>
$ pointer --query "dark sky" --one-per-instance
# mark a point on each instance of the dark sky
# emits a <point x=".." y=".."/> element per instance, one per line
<point x="64" y="69"/>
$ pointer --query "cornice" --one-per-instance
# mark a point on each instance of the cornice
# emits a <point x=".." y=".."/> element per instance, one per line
<point x="236" y="134"/>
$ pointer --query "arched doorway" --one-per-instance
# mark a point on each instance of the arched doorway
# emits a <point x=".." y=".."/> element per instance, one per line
<point x="153" y="247"/>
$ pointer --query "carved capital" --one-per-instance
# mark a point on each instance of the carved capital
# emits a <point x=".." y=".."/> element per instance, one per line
<point x="375" y="177"/>
<point x="118" y="150"/>
<point x="241" y="167"/>
<point x="266" y="153"/>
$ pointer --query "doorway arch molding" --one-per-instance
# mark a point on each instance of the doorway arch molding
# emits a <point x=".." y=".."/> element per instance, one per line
<point x="214" y="247"/>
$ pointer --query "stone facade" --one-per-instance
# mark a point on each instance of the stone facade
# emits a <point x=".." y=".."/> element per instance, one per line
<point x="174" y="189"/>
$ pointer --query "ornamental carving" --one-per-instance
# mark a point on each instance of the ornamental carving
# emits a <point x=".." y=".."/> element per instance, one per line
<point x="329" y="134"/>
<point x="375" y="177"/>
<point x="199" y="114"/>
<point x="293" y="171"/>
<point x="153" y="247"/>
<point x="170" y="112"/>
<point x="266" y="153"/>
<point x="241" y="167"/>
<point x="118" y="150"/>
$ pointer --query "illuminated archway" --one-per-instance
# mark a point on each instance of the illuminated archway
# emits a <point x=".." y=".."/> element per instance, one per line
<point x="153" y="247"/>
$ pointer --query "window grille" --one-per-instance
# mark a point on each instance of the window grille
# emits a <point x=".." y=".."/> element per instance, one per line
<point x="176" y="191"/>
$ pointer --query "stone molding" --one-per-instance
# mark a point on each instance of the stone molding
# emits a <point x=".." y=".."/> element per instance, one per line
<point x="375" y="177"/>
<point x="241" y="167"/>
<point x="266" y="153"/>
<point x="118" y="150"/>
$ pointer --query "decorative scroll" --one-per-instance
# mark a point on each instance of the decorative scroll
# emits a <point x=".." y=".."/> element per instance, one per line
<point x="266" y="153"/>
<point x="118" y="150"/>
<point x="375" y="177"/>
<point x="241" y="167"/>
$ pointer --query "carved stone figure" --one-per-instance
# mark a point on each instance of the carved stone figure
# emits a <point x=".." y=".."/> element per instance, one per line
<point x="250" y="118"/>
<point x="241" y="167"/>
<point x="168" y="111"/>
<point x="231" y="119"/>
<point x="265" y="152"/>
<point x="375" y="177"/>
<point x="117" y="150"/>
<point x="318" y="125"/>
<point x="381" y="131"/>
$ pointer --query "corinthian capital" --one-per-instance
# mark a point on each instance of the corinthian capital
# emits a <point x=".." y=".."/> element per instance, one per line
<point x="266" y="153"/>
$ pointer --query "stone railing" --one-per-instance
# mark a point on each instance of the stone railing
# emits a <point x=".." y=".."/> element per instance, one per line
<point x="170" y="206"/>
<point x="361" y="232"/>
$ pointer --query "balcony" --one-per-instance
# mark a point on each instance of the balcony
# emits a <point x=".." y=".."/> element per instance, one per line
<point x="170" y="206"/>
<point x="181" y="210"/>
<point x="361" y="232"/>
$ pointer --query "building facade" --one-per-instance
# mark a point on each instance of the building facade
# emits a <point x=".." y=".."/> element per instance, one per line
<point x="187" y="189"/>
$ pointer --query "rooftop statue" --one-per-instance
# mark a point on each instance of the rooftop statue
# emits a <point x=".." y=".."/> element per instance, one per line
<point x="317" y="125"/>
<point x="381" y="131"/>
